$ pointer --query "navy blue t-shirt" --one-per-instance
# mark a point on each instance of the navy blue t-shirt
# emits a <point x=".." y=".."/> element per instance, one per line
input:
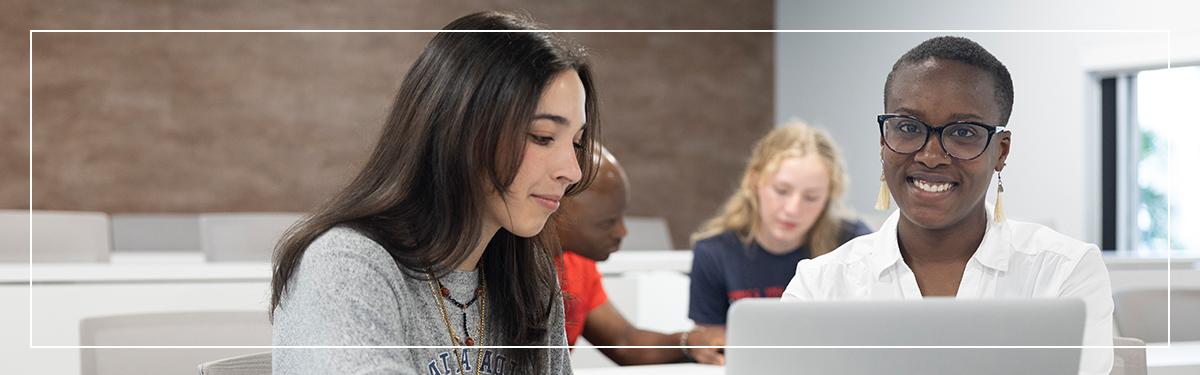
<point x="724" y="270"/>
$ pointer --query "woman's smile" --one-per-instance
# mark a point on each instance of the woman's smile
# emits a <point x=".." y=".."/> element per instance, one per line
<point x="931" y="187"/>
<point x="550" y="202"/>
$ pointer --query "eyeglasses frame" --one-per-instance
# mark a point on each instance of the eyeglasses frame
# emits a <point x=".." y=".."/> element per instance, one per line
<point x="991" y="129"/>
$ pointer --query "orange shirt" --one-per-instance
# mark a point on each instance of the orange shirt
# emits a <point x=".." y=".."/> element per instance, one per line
<point x="582" y="291"/>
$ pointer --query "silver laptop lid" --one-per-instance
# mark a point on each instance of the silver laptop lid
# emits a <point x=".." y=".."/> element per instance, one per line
<point x="928" y="322"/>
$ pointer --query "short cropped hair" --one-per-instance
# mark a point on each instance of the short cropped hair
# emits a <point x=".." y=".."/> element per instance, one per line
<point x="966" y="51"/>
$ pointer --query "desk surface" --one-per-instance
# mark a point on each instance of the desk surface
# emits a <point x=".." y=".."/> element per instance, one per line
<point x="191" y="266"/>
<point x="671" y="369"/>
<point x="1181" y="353"/>
<point x="136" y="267"/>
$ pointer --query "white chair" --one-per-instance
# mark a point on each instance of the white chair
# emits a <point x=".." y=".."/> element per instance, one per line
<point x="646" y="233"/>
<point x="14" y="236"/>
<point x="243" y="237"/>
<point x="207" y="328"/>
<point x="155" y="232"/>
<point x="652" y="300"/>
<point x="1142" y="313"/>
<point x="1129" y="361"/>
<point x="58" y="236"/>
<point x="249" y="364"/>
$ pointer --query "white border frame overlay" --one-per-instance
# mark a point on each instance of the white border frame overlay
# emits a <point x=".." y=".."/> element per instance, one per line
<point x="31" y="33"/>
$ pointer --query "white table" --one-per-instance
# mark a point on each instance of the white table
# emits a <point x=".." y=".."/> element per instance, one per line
<point x="641" y="260"/>
<point x="671" y="369"/>
<point x="135" y="282"/>
<point x="65" y="293"/>
<point x="1181" y="358"/>
<point x="175" y="266"/>
<point x="135" y="268"/>
<point x="144" y="282"/>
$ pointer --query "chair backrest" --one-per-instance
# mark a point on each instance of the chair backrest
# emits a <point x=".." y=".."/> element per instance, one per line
<point x="156" y="232"/>
<point x="201" y="328"/>
<point x="243" y="237"/>
<point x="14" y="236"/>
<point x="1129" y="361"/>
<point x="1142" y="313"/>
<point x="249" y="364"/>
<point x="646" y="233"/>
<point x="58" y="236"/>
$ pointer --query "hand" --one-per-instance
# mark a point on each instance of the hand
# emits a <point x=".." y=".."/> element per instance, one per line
<point x="711" y="336"/>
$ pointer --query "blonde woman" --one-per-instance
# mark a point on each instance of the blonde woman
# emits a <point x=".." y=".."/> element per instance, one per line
<point x="787" y="208"/>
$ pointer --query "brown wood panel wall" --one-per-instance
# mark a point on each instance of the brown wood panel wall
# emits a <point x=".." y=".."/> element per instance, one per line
<point x="200" y="122"/>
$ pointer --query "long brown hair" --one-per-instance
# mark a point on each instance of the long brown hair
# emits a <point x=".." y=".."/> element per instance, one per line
<point x="794" y="139"/>
<point x="457" y="129"/>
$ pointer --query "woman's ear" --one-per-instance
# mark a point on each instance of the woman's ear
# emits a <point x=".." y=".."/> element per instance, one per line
<point x="1005" y="142"/>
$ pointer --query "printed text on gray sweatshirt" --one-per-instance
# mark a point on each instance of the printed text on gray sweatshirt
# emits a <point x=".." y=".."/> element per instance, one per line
<point x="347" y="291"/>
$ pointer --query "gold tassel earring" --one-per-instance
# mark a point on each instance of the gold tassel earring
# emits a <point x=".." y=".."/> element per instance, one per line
<point x="884" y="202"/>
<point x="999" y="212"/>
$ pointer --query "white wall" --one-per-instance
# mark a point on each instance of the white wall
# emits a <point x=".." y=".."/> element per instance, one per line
<point x="835" y="80"/>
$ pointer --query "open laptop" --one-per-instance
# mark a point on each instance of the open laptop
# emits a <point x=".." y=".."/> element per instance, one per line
<point x="928" y="322"/>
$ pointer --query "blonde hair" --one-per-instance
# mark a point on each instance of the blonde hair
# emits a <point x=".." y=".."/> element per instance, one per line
<point x="793" y="139"/>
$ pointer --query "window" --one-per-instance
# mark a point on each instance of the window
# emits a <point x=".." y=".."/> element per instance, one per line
<point x="1140" y="110"/>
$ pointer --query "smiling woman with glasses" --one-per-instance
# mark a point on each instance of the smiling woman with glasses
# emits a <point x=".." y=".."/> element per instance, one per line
<point x="945" y="240"/>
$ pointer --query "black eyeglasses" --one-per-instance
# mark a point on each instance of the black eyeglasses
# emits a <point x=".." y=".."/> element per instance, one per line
<point x="964" y="140"/>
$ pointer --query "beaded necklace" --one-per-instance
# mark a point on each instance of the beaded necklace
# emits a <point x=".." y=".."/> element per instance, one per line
<point x="441" y="293"/>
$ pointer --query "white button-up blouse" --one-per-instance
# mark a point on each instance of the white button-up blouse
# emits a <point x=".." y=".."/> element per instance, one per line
<point x="1015" y="260"/>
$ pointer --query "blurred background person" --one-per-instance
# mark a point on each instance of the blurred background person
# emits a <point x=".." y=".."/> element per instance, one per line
<point x="591" y="228"/>
<point x="786" y="208"/>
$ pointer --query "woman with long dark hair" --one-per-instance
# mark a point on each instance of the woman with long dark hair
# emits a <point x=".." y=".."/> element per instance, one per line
<point x="440" y="240"/>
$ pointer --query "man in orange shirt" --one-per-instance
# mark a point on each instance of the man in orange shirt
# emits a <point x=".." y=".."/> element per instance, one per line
<point x="591" y="228"/>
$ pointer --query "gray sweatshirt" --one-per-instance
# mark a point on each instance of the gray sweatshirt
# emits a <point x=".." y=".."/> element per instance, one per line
<point x="347" y="291"/>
